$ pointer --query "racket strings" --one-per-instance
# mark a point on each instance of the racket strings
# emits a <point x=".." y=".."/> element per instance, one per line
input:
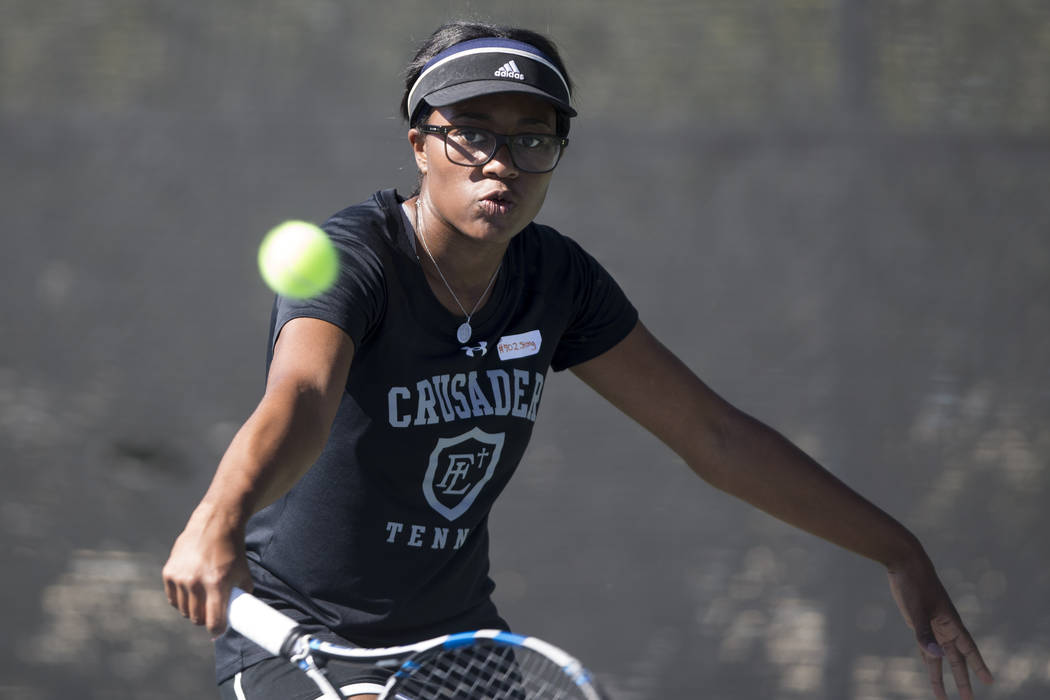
<point x="484" y="671"/>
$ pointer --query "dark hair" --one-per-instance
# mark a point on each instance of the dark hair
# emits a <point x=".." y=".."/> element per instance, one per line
<point x="452" y="33"/>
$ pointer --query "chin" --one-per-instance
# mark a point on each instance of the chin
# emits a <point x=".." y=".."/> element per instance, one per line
<point x="500" y="229"/>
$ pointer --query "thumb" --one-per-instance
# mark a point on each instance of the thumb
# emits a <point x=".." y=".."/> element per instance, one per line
<point x="919" y="617"/>
<point x="927" y="641"/>
<point x="218" y="600"/>
<point x="915" y="614"/>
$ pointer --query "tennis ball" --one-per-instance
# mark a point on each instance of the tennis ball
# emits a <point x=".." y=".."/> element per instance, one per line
<point x="297" y="259"/>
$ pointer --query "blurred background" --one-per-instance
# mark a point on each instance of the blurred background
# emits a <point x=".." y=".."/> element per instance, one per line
<point x="835" y="211"/>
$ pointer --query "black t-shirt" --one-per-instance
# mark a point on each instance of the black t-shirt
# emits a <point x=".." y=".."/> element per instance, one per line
<point x="384" y="540"/>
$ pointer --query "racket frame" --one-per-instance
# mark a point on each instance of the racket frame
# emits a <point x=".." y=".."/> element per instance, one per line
<point x="282" y="636"/>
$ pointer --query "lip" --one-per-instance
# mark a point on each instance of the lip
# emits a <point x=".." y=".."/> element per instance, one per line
<point x="502" y="196"/>
<point x="498" y="202"/>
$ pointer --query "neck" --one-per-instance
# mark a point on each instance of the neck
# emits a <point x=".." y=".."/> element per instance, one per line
<point x="461" y="271"/>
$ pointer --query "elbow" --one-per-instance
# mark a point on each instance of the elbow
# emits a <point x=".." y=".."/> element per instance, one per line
<point x="713" y="447"/>
<point x="314" y="418"/>
<point x="301" y="415"/>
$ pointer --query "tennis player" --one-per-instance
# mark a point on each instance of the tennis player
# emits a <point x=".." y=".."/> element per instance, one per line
<point x="398" y="404"/>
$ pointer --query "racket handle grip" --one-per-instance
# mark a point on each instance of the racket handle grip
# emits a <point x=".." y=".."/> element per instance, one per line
<point x="272" y="630"/>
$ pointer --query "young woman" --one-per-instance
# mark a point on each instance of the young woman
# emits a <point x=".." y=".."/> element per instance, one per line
<point x="399" y="403"/>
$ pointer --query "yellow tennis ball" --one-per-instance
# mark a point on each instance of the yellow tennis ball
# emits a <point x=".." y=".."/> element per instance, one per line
<point x="298" y="260"/>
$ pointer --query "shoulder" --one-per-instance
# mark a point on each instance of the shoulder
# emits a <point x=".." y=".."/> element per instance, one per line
<point x="546" y="235"/>
<point x="544" y="248"/>
<point x="367" y="236"/>
<point x="374" y="223"/>
<point x="548" y="244"/>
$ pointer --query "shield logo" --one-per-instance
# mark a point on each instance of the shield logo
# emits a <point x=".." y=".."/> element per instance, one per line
<point x="459" y="469"/>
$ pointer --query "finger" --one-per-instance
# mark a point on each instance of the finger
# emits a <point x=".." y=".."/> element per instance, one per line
<point x="933" y="670"/>
<point x="959" y="671"/>
<point x="182" y="600"/>
<point x="976" y="662"/>
<point x="195" y="604"/>
<point x="170" y="592"/>
<point x="215" y="611"/>
<point x="964" y="644"/>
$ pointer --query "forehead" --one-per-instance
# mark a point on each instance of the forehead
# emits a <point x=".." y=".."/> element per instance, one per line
<point x="509" y="108"/>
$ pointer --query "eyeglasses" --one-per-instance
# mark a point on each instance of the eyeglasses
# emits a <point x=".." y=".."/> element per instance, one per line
<point x="471" y="146"/>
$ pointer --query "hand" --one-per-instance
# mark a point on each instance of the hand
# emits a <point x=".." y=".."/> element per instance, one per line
<point x="939" y="630"/>
<point x="206" y="562"/>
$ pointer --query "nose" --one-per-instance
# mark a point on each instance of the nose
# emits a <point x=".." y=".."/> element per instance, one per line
<point x="502" y="164"/>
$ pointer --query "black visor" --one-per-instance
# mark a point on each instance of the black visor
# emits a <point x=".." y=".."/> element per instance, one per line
<point x="485" y="67"/>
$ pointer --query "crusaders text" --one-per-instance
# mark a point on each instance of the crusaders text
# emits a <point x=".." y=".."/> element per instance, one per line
<point x="450" y="397"/>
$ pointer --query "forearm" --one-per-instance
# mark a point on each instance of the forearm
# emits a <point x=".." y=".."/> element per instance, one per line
<point x="753" y="462"/>
<point x="277" y="444"/>
<point x="269" y="454"/>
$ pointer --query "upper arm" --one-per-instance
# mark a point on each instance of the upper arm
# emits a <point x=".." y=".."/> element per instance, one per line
<point x="737" y="453"/>
<point x="650" y="384"/>
<point x="311" y="357"/>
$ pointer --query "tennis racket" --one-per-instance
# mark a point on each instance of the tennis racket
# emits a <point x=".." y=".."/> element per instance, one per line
<point x="479" y="665"/>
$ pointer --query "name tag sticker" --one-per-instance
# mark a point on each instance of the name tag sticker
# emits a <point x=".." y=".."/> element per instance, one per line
<point x="511" y="347"/>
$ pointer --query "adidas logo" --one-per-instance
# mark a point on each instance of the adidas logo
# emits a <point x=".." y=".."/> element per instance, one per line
<point x="509" y="70"/>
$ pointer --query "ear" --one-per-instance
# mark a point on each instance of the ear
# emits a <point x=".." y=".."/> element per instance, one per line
<point x="419" y="141"/>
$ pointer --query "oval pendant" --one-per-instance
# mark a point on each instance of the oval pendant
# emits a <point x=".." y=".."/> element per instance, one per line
<point x="464" y="332"/>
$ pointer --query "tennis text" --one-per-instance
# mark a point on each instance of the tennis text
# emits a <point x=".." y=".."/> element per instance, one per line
<point x="420" y="536"/>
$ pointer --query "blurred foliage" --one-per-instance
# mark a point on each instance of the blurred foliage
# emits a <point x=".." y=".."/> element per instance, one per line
<point x="967" y="65"/>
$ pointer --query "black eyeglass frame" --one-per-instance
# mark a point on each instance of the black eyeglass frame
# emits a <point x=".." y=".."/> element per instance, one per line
<point x="501" y="140"/>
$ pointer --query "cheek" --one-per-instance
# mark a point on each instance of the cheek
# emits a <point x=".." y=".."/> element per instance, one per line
<point x="538" y="191"/>
<point x="449" y="188"/>
<point x="444" y="175"/>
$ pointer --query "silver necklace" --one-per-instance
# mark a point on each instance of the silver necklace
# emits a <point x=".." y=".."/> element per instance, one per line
<point x="464" y="331"/>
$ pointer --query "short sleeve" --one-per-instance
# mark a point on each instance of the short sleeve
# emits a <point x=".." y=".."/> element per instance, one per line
<point x="356" y="302"/>
<point x="601" y="317"/>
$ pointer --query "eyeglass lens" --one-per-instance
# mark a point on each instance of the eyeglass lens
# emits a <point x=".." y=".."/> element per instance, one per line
<point x="530" y="152"/>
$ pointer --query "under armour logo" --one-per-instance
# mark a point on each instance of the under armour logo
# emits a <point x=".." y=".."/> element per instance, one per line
<point x="478" y="350"/>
